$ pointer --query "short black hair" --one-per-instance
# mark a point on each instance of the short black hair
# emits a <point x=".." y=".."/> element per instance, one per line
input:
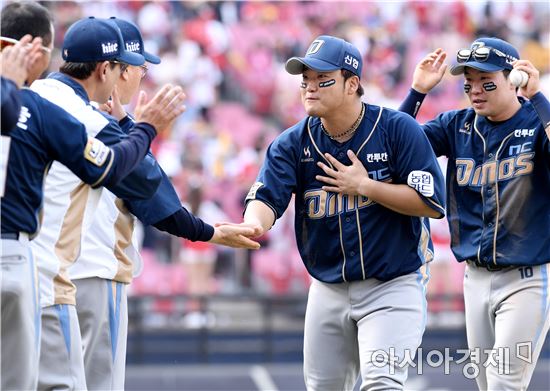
<point x="19" y="19"/>
<point x="83" y="70"/>
<point x="347" y="74"/>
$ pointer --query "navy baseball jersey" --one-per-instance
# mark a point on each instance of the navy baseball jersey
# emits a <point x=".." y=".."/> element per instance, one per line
<point x="495" y="214"/>
<point x="11" y="105"/>
<point x="349" y="238"/>
<point x="44" y="133"/>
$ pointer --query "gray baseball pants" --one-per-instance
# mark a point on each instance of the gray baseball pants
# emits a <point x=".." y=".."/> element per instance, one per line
<point x="61" y="361"/>
<point x="102" y="311"/>
<point x="20" y="317"/>
<point x="351" y="327"/>
<point x="507" y="319"/>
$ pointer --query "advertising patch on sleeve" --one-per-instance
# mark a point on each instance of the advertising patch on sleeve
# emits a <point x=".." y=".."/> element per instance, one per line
<point x="253" y="190"/>
<point x="96" y="152"/>
<point x="422" y="182"/>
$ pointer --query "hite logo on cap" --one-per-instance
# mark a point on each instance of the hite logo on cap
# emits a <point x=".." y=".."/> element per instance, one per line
<point x="109" y="48"/>
<point x="133" y="46"/>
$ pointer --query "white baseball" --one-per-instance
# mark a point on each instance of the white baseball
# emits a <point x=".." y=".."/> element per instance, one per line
<point x="518" y="78"/>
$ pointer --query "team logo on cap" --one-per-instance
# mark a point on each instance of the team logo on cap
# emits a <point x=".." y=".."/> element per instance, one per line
<point x="109" y="47"/>
<point x="315" y="46"/>
<point x="476" y="45"/>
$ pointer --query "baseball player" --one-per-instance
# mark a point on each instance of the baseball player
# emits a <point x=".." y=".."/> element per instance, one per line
<point x="44" y="133"/>
<point x="96" y="57"/>
<point x="498" y="182"/>
<point x="364" y="179"/>
<point x="103" y="264"/>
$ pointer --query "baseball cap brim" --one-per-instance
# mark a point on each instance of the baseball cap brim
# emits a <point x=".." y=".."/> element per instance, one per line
<point x="480" y="66"/>
<point x="151" y="58"/>
<point x="131" y="58"/>
<point x="296" y="65"/>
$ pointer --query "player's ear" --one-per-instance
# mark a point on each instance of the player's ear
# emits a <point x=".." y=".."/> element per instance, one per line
<point x="353" y="85"/>
<point x="126" y="74"/>
<point x="102" y="69"/>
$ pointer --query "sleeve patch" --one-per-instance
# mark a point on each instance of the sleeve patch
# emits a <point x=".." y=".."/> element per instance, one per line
<point x="253" y="190"/>
<point x="422" y="182"/>
<point x="96" y="152"/>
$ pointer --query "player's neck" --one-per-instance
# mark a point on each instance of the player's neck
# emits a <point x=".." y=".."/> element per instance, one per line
<point x="507" y="113"/>
<point x="342" y="125"/>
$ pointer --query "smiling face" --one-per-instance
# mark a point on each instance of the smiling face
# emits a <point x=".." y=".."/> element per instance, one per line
<point x="319" y="100"/>
<point x="491" y="94"/>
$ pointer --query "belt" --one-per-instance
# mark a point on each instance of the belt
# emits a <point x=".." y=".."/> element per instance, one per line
<point x="489" y="266"/>
<point x="10" y="235"/>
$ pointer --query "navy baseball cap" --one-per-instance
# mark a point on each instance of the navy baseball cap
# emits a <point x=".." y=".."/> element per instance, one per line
<point x="93" y="39"/>
<point x="486" y="55"/>
<point x="327" y="54"/>
<point x="133" y="40"/>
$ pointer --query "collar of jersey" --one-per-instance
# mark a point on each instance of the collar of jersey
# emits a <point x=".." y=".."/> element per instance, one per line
<point x="77" y="87"/>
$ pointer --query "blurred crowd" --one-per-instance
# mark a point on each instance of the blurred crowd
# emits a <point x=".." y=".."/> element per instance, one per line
<point x="229" y="57"/>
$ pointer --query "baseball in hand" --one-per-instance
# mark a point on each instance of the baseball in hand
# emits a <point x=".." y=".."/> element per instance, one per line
<point x="518" y="78"/>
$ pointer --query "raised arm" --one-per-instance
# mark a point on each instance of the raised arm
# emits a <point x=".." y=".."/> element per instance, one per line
<point x="533" y="93"/>
<point x="427" y="74"/>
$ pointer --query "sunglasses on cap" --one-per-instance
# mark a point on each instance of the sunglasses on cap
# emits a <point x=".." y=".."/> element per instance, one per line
<point x="5" y="42"/>
<point x="483" y="54"/>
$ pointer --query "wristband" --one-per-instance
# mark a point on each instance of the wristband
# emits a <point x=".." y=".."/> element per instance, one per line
<point x="542" y="107"/>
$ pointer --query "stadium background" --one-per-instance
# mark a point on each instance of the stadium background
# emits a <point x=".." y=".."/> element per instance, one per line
<point x="203" y="317"/>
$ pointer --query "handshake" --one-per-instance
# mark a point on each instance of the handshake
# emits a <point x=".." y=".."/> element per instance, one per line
<point x="237" y="235"/>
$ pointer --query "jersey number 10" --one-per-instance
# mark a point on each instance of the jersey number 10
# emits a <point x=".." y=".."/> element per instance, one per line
<point x="526" y="272"/>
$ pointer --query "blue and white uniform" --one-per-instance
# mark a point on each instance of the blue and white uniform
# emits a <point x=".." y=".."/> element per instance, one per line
<point x="86" y="245"/>
<point x="44" y="133"/>
<point x="366" y="260"/>
<point x="70" y="208"/>
<point x="108" y="260"/>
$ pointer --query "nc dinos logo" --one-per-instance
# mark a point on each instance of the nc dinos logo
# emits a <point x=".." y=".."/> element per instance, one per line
<point x="314" y="47"/>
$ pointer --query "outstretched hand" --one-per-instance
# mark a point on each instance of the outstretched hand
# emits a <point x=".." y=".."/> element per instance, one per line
<point x="236" y="235"/>
<point x="344" y="179"/>
<point x="163" y="109"/>
<point x="429" y="72"/>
